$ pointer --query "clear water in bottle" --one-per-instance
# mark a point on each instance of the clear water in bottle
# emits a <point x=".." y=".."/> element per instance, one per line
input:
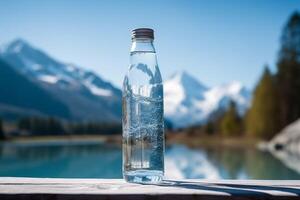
<point x="143" y="125"/>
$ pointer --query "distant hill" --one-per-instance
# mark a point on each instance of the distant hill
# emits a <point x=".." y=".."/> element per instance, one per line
<point x="56" y="89"/>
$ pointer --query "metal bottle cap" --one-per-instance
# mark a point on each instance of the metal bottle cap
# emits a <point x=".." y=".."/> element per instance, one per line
<point x="142" y="33"/>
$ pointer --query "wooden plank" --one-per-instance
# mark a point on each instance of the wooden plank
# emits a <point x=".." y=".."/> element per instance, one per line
<point x="52" y="188"/>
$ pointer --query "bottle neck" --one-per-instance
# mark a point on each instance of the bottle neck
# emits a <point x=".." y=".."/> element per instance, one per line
<point x="143" y="70"/>
<point x="142" y="45"/>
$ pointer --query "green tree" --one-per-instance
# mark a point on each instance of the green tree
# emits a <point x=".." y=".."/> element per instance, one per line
<point x="262" y="118"/>
<point x="231" y="123"/>
<point x="2" y="136"/>
<point x="288" y="75"/>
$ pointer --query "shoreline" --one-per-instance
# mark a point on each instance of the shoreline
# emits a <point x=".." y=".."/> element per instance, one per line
<point x="171" y="138"/>
<point x="64" y="139"/>
<point x="213" y="141"/>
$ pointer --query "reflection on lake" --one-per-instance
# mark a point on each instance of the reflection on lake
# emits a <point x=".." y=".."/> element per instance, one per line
<point x="105" y="161"/>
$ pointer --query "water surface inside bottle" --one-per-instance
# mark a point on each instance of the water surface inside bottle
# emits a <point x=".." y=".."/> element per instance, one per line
<point x="143" y="139"/>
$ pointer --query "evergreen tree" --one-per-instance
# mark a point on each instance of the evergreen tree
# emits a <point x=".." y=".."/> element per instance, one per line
<point x="41" y="126"/>
<point x="262" y="118"/>
<point x="54" y="127"/>
<point x="288" y="75"/>
<point x="209" y="128"/>
<point x="2" y="136"/>
<point x="231" y="124"/>
<point x="24" y="124"/>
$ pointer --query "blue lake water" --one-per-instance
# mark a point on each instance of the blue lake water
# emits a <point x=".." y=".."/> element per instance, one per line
<point x="93" y="160"/>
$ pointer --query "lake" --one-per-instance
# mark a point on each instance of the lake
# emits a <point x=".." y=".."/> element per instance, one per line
<point x="96" y="160"/>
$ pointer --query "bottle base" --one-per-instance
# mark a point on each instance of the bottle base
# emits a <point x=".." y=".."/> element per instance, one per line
<point x="144" y="176"/>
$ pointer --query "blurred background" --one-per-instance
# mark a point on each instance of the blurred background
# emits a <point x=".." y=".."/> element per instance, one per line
<point x="231" y="73"/>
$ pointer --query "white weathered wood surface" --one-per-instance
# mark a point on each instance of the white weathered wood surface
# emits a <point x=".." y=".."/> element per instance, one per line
<point x="52" y="188"/>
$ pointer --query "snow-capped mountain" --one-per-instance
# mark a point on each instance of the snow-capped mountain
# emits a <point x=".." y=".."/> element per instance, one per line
<point x="87" y="96"/>
<point x="188" y="102"/>
<point x="40" y="66"/>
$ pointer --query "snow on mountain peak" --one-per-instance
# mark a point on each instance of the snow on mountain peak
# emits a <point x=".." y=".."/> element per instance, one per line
<point x="89" y="82"/>
<point x="180" y="92"/>
<point x="15" y="46"/>
<point x="189" y="102"/>
<point x="48" y="79"/>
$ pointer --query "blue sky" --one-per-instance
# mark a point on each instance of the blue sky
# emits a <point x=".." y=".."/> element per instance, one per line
<point x="216" y="41"/>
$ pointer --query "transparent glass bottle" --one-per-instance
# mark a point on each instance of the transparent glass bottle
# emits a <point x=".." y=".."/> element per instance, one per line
<point x="143" y="123"/>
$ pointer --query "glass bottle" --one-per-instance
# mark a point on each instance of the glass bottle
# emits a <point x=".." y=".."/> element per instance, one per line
<point x="142" y="120"/>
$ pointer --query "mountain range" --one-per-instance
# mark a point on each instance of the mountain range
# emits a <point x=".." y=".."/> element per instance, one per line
<point x="33" y="83"/>
<point x="78" y="94"/>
